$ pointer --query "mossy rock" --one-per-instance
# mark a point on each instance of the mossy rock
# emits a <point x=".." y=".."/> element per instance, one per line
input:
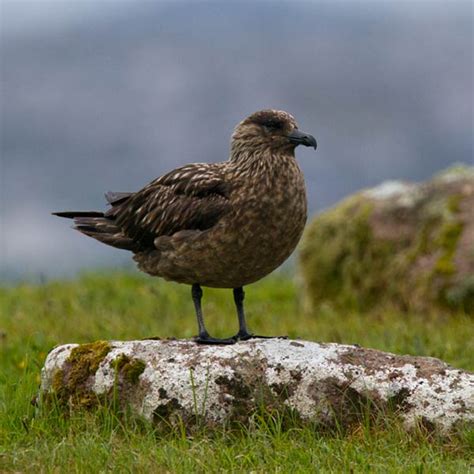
<point x="182" y="385"/>
<point x="73" y="384"/>
<point x="403" y="245"/>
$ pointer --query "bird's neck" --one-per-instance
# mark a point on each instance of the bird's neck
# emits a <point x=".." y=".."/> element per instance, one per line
<point x="259" y="161"/>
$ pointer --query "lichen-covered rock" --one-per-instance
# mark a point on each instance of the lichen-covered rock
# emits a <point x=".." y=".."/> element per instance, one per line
<point x="410" y="246"/>
<point x="324" y="383"/>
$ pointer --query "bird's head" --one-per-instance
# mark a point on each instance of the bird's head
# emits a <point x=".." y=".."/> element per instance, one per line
<point x="273" y="130"/>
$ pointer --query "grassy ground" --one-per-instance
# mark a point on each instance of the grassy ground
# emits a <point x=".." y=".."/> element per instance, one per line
<point x="33" y="319"/>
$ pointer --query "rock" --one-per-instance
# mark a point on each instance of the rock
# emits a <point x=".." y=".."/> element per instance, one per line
<point x="324" y="383"/>
<point x="404" y="245"/>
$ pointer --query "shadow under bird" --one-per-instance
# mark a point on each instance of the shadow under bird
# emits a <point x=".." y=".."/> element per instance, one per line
<point x="221" y="225"/>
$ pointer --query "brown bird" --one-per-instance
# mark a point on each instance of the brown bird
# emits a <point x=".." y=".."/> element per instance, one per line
<point x="221" y="225"/>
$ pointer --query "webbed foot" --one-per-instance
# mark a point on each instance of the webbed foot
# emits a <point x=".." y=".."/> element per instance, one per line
<point x="204" y="338"/>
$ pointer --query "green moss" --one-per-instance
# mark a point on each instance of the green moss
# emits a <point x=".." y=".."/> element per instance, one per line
<point x="447" y="242"/>
<point x="424" y="243"/>
<point x="349" y="269"/>
<point x="130" y="369"/>
<point x="70" y="383"/>
<point x="445" y="265"/>
<point x="454" y="203"/>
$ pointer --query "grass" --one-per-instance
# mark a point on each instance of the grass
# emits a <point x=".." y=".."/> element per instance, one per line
<point x="35" y="318"/>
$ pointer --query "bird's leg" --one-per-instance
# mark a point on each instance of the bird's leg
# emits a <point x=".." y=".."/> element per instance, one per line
<point x="203" y="336"/>
<point x="196" y="293"/>
<point x="243" y="334"/>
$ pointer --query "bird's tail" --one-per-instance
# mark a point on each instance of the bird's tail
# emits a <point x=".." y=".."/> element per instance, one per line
<point x="100" y="227"/>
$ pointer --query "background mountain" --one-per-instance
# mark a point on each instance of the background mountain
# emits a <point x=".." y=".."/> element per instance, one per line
<point x="101" y="96"/>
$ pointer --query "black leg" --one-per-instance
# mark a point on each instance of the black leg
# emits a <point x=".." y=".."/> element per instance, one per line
<point x="203" y="336"/>
<point x="244" y="334"/>
<point x="196" y="292"/>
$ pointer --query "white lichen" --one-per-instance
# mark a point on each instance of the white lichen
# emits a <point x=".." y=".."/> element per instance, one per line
<point x="213" y="381"/>
<point x="388" y="190"/>
<point x="457" y="172"/>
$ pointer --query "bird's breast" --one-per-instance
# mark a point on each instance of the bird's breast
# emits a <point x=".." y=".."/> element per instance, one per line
<point x="269" y="217"/>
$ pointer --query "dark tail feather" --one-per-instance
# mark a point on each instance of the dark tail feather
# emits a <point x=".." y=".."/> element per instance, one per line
<point x="117" y="240"/>
<point x="73" y="214"/>
<point x="94" y="224"/>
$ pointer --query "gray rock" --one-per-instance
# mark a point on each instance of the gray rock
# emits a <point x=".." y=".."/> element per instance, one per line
<point x="325" y="383"/>
<point x="408" y="246"/>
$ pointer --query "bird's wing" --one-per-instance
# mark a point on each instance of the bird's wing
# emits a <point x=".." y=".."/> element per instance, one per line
<point x="193" y="197"/>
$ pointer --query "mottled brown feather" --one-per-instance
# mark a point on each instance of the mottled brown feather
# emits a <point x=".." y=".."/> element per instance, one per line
<point x="189" y="198"/>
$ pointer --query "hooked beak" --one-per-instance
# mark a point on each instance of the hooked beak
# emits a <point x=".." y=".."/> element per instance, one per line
<point x="300" y="138"/>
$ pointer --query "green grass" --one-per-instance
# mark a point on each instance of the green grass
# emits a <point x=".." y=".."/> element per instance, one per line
<point x="33" y="319"/>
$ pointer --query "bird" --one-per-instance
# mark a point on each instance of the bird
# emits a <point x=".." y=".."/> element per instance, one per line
<point x="222" y="225"/>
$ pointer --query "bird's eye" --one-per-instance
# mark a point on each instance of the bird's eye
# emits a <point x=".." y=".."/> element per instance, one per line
<point x="273" y="125"/>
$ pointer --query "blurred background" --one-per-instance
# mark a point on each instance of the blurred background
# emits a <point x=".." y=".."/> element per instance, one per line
<point x="107" y="95"/>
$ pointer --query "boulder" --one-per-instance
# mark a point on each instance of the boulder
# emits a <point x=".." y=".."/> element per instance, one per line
<point x="405" y="245"/>
<point x="329" y="384"/>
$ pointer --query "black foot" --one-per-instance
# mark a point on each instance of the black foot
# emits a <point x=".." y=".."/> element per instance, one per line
<point x="206" y="339"/>
<point x="245" y="336"/>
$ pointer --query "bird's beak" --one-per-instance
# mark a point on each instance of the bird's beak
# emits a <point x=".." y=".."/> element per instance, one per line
<point x="301" y="138"/>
